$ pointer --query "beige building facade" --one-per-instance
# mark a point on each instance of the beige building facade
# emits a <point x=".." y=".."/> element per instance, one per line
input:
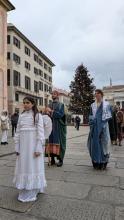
<point x="5" y="6"/>
<point x="29" y="71"/>
<point x="64" y="96"/>
<point x="114" y="94"/>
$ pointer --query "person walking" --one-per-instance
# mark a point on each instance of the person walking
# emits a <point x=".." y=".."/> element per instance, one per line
<point x="113" y="125"/>
<point x="77" y="122"/>
<point x="14" y="121"/>
<point x="29" y="138"/>
<point x="4" y="127"/>
<point x="56" y="146"/>
<point x="120" y="118"/>
<point x="99" y="132"/>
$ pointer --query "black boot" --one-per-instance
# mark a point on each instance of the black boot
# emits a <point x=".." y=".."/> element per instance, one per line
<point x="53" y="161"/>
<point x="60" y="163"/>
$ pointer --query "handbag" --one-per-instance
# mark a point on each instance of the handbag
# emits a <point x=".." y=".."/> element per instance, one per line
<point x="4" y="125"/>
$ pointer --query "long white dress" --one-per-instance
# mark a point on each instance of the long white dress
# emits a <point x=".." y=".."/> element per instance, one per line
<point x="29" y="172"/>
<point x="4" y="136"/>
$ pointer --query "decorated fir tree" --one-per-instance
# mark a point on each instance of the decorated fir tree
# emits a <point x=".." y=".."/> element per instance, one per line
<point x="82" y="89"/>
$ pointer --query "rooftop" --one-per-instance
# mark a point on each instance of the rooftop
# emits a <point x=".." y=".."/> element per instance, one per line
<point x="11" y="27"/>
<point x="7" y="4"/>
<point x="115" y="87"/>
<point x="61" y="91"/>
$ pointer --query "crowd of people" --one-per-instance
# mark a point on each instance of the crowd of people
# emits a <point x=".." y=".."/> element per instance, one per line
<point x="44" y="133"/>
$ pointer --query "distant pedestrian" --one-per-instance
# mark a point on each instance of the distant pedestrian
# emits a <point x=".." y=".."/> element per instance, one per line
<point x="73" y="120"/>
<point x="14" y="121"/>
<point x="120" y="118"/>
<point x="99" y="132"/>
<point x="123" y="123"/>
<point x="29" y="139"/>
<point x="77" y="122"/>
<point x="113" y="125"/>
<point x="4" y="127"/>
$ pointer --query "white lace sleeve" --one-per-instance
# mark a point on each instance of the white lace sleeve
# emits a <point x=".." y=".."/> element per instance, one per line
<point x="17" y="137"/>
<point x="40" y="133"/>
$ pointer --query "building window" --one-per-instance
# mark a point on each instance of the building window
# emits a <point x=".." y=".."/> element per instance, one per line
<point x="35" y="70"/>
<point x="16" y="78"/>
<point x="16" y="42"/>
<point x="40" y="73"/>
<point x="118" y="103"/>
<point x="41" y="101"/>
<point x="45" y="102"/>
<point x="50" y="102"/>
<point x="27" y="51"/>
<point x="8" y="39"/>
<point x="8" y="55"/>
<point x="122" y="104"/>
<point x="27" y="83"/>
<point x="16" y="58"/>
<point x="36" y="86"/>
<point x="50" y="70"/>
<point x="40" y="62"/>
<point x="50" y="79"/>
<point x="8" y="77"/>
<point x="45" y="76"/>
<point x="40" y="86"/>
<point x="45" y="66"/>
<point x="16" y="97"/>
<point x="35" y="58"/>
<point x="27" y="65"/>
<point x="45" y="88"/>
<point x="50" y="89"/>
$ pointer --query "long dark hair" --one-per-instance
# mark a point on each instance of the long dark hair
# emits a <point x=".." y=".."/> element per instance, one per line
<point x="34" y="107"/>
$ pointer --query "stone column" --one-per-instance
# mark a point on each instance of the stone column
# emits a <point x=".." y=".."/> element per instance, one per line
<point x="5" y="6"/>
<point x="3" y="58"/>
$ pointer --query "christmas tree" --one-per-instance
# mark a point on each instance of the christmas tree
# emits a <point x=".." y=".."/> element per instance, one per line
<point x="82" y="90"/>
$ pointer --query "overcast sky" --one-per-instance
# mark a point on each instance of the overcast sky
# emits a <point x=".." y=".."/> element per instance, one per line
<point x="71" y="32"/>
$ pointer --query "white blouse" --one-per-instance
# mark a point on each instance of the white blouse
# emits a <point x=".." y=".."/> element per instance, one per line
<point x="26" y="123"/>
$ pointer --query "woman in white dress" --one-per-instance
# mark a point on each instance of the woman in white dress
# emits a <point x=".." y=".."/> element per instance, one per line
<point x="4" y="127"/>
<point x="29" y="138"/>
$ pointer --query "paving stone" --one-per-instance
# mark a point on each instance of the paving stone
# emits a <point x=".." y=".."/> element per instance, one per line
<point x="9" y="215"/>
<point x="3" y="162"/>
<point x="119" y="213"/>
<point x="63" y="209"/>
<point x="25" y="217"/>
<point x="8" y="200"/>
<point x="84" y="163"/>
<point x="120" y="165"/>
<point x="6" y="215"/>
<point x="110" y="171"/>
<point x="92" y="179"/>
<point x="11" y="164"/>
<point x="107" y="194"/>
<point x="71" y="190"/>
<point x="6" y="180"/>
<point x="53" y="174"/>
<point x="11" y="157"/>
<point x="6" y="170"/>
<point x="122" y="183"/>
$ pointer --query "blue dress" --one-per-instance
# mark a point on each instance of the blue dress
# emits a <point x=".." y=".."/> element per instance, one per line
<point x="98" y="138"/>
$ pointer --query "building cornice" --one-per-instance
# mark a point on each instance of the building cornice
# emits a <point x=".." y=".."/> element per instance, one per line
<point x="11" y="27"/>
<point x="7" y="5"/>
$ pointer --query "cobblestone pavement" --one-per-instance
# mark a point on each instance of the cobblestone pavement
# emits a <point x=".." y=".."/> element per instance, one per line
<point x="75" y="191"/>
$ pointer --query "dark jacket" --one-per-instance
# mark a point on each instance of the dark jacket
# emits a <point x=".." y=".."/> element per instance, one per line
<point x="14" y="119"/>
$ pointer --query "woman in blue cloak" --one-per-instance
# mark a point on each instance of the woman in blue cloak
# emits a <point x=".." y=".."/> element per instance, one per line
<point x="99" y="131"/>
